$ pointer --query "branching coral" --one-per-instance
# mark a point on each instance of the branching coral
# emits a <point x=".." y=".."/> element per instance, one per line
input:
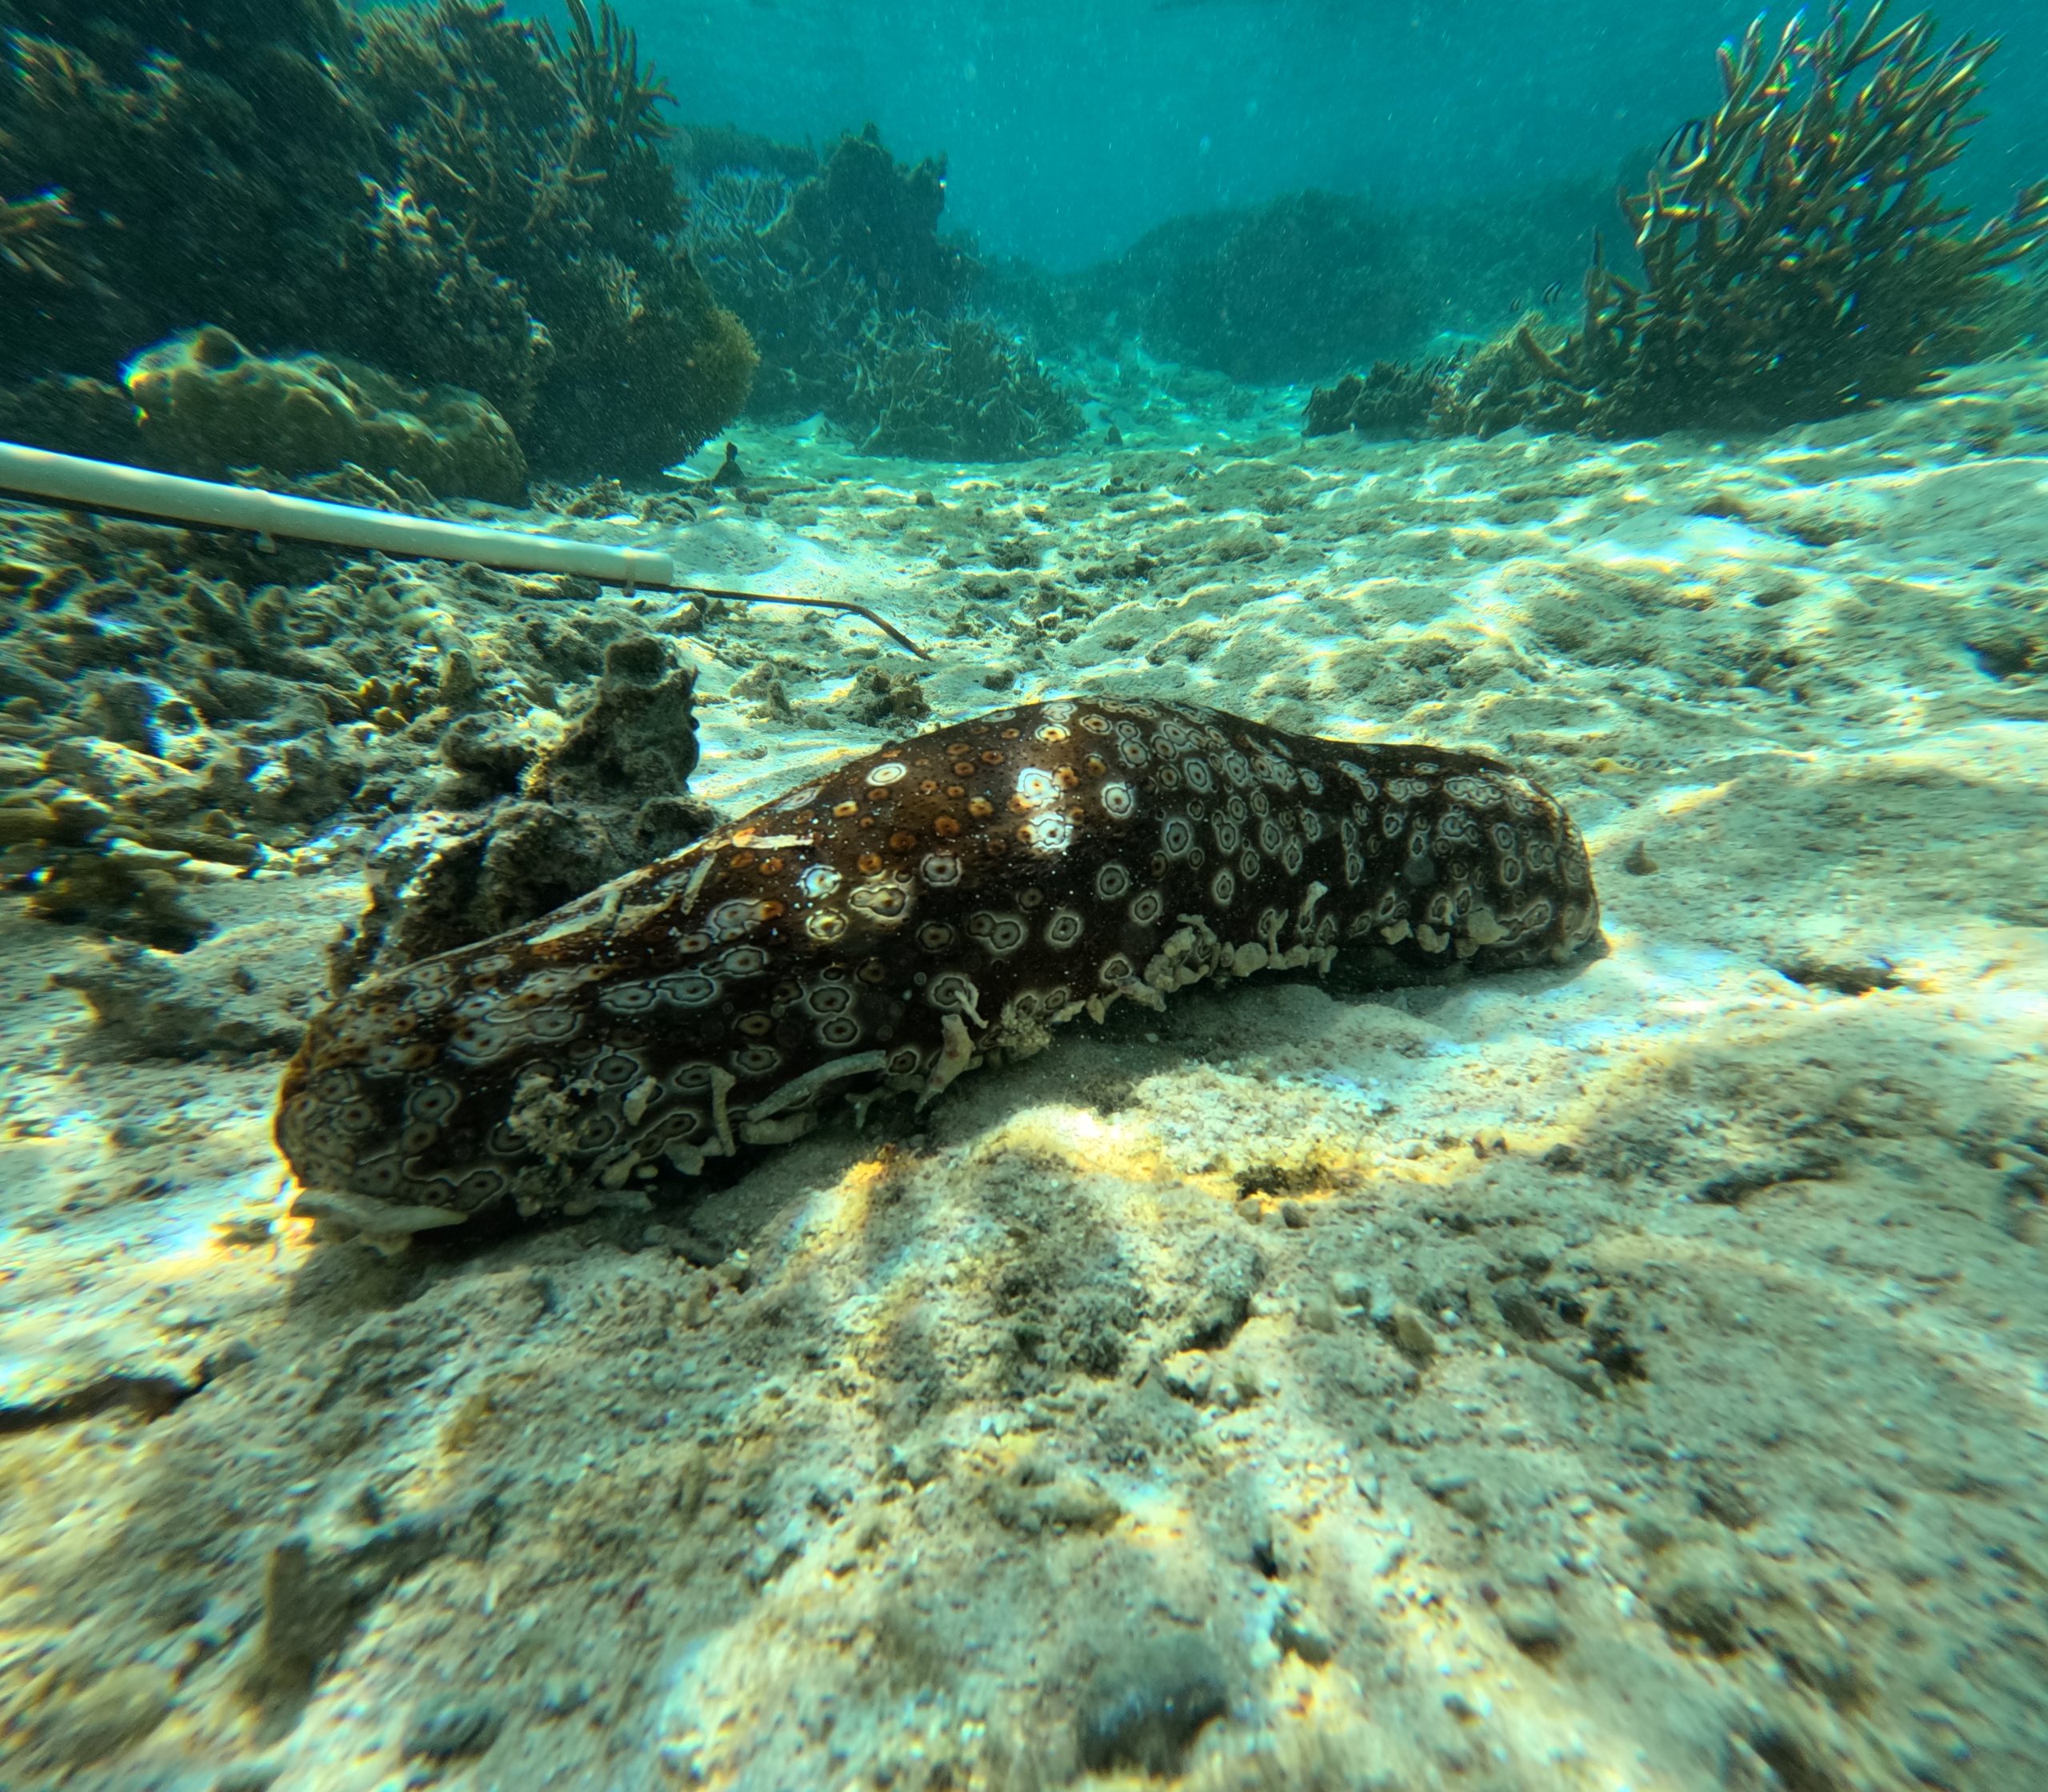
<point x="451" y="195"/>
<point x="960" y="388"/>
<point x="855" y="300"/>
<point x="1799" y="257"/>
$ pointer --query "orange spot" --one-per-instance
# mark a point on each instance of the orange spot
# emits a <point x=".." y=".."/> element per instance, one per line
<point x="867" y="820"/>
<point x="741" y="861"/>
<point x="946" y="824"/>
<point x="1094" y="765"/>
<point x="845" y="809"/>
<point x="1068" y="776"/>
<point x="745" y="837"/>
<point x="926" y="786"/>
<point x="956" y="791"/>
<point x="771" y="867"/>
<point x="772" y="911"/>
<point x="870" y="862"/>
<point x="1013" y="734"/>
<point x="990" y="757"/>
<point x="903" y="840"/>
<point x="981" y="809"/>
<point x="962" y="767"/>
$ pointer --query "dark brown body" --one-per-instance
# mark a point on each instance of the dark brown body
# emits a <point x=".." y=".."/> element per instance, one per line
<point x="924" y="906"/>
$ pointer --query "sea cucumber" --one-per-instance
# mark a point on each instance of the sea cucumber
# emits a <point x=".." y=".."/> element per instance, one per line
<point x="942" y="902"/>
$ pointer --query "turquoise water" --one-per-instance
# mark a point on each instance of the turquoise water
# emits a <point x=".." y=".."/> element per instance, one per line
<point x="1071" y="129"/>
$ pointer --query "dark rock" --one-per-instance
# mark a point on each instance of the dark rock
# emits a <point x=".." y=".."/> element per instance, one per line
<point x="1235" y="1269"/>
<point x="1523" y="1312"/>
<point x="1534" y="1628"/>
<point x="606" y="798"/>
<point x="638" y="737"/>
<point x="1144" y="1710"/>
<point x="445" y="1730"/>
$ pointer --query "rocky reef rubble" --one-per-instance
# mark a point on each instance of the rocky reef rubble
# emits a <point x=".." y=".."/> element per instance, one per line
<point x="528" y="823"/>
<point x="178" y="708"/>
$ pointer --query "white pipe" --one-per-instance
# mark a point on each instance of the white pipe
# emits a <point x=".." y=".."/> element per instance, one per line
<point x="105" y="485"/>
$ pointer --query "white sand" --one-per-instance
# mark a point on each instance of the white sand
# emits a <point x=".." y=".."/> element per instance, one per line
<point x="1642" y="1377"/>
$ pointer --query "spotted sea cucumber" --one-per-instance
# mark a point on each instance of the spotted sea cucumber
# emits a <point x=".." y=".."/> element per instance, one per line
<point x="941" y="901"/>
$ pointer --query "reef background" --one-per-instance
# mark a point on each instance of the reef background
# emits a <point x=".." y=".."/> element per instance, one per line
<point x="1626" y="1373"/>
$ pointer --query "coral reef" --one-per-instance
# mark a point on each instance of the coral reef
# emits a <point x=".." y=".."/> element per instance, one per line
<point x="453" y="197"/>
<point x="1394" y="398"/>
<point x="204" y="404"/>
<point x="1799" y="257"/>
<point x="1296" y="285"/>
<point x="962" y="387"/>
<point x="72" y="413"/>
<point x="856" y="302"/>
<point x="1309" y="283"/>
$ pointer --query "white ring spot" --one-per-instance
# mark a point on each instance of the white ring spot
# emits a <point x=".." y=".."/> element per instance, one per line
<point x="1036" y="788"/>
<point x="888" y="772"/>
<point x="1049" y="834"/>
<point x="1064" y="928"/>
<point x="1119" y="800"/>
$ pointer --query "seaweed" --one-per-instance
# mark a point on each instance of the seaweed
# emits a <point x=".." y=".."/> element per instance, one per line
<point x="1799" y="258"/>
<point x="449" y="195"/>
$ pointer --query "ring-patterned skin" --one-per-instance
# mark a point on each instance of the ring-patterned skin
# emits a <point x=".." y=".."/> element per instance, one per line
<point x="922" y="908"/>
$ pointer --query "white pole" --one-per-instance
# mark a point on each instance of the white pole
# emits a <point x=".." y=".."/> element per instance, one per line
<point x="102" y="485"/>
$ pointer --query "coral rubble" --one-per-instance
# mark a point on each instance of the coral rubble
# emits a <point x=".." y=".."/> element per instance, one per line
<point x="523" y="827"/>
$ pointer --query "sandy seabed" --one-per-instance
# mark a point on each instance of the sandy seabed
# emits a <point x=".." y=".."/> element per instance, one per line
<point x="1633" y="1375"/>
